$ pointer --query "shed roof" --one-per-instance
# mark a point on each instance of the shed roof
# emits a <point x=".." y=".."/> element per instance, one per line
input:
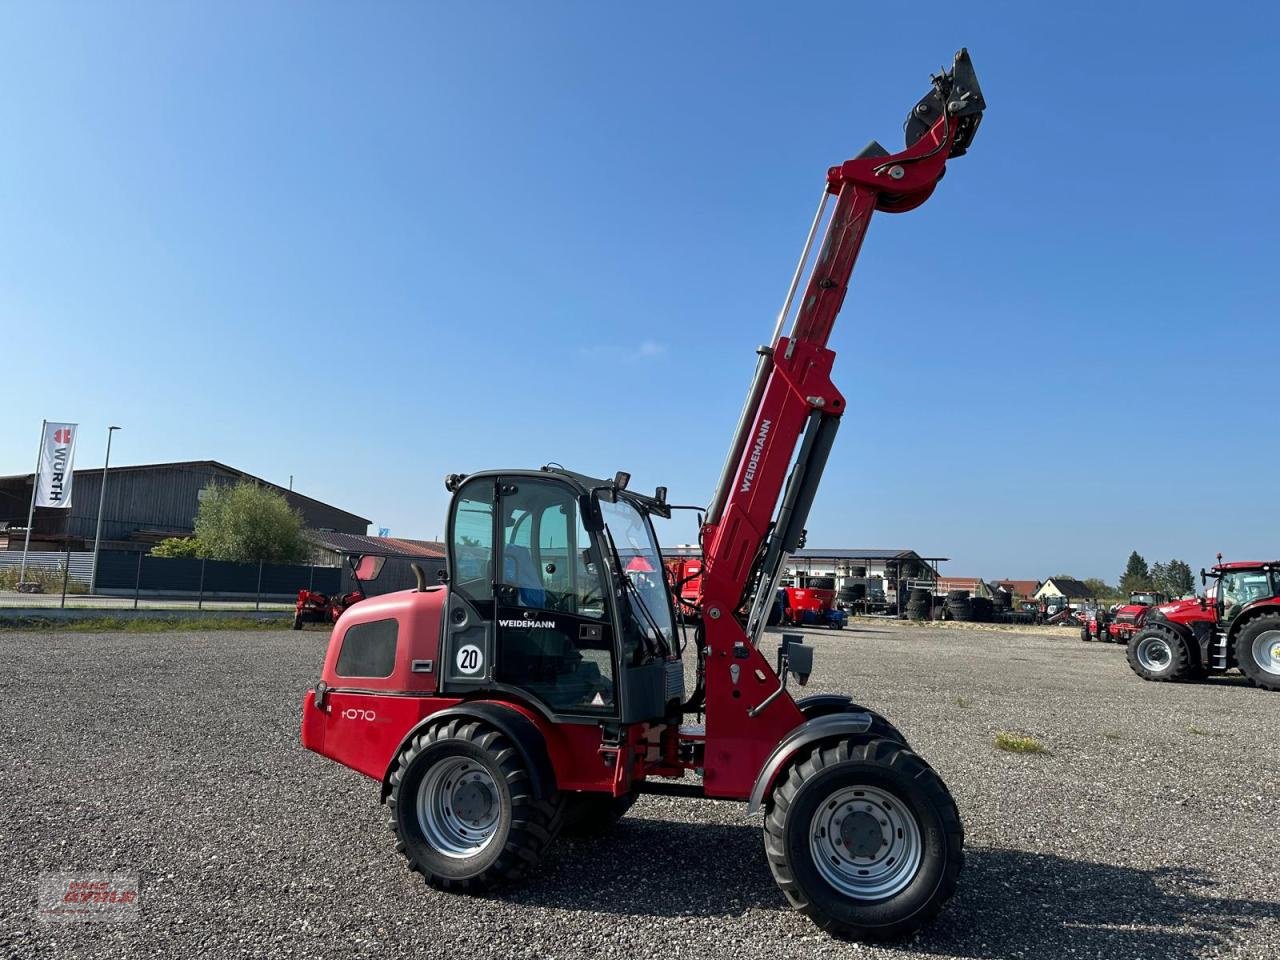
<point x="355" y="544"/>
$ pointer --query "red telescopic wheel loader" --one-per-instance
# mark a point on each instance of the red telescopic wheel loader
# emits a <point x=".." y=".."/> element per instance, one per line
<point x="542" y="686"/>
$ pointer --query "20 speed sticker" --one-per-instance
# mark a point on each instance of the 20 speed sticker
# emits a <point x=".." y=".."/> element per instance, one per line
<point x="470" y="660"/>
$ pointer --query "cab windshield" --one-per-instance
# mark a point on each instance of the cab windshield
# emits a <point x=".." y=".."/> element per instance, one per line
<point x="646" y="609"/>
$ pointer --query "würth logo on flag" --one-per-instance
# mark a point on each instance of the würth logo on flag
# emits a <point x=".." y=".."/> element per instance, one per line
<point x="57" y="450"/>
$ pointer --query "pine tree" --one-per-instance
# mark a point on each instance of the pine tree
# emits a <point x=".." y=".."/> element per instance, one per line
<point x="1181" y="581"/>
<point x="1137" y="576"/>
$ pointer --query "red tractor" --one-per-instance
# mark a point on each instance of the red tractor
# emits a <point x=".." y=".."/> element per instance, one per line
<point x="543" y="684"/>
<point x="312" y="606"/>
<point x="1118" y="625"/>
<point x="1236" y="624"/>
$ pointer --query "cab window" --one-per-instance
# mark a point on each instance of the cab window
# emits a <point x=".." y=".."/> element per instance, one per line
<point x="1240" y="587"/>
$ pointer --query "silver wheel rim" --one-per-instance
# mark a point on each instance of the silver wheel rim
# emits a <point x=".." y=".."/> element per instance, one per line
<point x="458" y="807"/>
<point x="1154" y="654"/>
<point x="865" y="843"/>
<point x="1266" y="651"/>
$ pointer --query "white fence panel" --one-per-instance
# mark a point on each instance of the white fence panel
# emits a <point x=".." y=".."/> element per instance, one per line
<point x="81" y="562"/>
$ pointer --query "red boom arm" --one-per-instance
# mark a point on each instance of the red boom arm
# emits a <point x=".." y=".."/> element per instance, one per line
<point x="748" y="535"/>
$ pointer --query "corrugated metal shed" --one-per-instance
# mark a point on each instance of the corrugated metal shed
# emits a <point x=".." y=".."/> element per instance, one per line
<point x="147" y="502"/>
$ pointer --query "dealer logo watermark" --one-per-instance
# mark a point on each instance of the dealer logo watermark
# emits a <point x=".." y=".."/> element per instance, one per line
<point x="79" y="898"/>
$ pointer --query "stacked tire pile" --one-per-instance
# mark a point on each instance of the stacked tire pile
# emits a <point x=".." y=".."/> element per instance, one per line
<point x="982" y="608"/>
<point x="959" y="605"/>
<point x="852" y="594"/>
<point x="919" y="603"/>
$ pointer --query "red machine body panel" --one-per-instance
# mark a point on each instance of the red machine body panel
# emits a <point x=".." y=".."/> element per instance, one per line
<point x="364" y="720"/>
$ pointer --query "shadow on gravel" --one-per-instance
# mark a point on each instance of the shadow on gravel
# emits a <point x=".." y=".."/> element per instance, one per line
<point x="658" y="868"/>
<point x="1017" y="904"/>
<point x="1010" y="903"/>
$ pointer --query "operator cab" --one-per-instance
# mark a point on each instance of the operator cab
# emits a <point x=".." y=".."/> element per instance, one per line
<point x="558" y="597"/>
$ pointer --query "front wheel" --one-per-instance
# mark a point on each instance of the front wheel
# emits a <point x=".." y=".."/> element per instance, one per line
<point x="1157" y="653"/>
<point x="865" y="839"/>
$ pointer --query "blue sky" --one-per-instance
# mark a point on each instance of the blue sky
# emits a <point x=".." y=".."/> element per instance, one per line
<point x="369" y="245"/>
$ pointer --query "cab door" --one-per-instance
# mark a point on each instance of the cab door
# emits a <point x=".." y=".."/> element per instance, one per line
<point x="554" y="632"/>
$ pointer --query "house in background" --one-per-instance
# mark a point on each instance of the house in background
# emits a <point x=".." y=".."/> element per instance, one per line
<point x="1020" y="589"/>
<point x="1062" y="588"/>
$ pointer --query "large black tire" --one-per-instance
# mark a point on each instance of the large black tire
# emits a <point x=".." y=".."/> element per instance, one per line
<point x="591" y="814"/>
<point x="896" y="804"/>
<point x="1084" y="633"/>
<point x="297" y="621"/>
<point x="1258" y="651"/>
<point x="523" y="825"/>
<point x="1159" y="653"/>
<point x="960" y="610"/>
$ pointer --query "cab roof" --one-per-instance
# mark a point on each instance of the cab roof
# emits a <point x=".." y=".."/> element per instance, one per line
<point x="1246" y="564"/>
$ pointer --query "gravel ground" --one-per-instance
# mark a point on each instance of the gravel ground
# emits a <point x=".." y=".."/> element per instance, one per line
<point x="1147" y="830"/>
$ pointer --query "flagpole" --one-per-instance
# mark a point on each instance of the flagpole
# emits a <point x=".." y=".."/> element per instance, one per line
<point x="31" y="511"/>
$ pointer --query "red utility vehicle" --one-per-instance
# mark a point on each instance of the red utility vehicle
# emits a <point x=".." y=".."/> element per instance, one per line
<point x="811" y="601"/>
<point x="1118" y="625"/>
<point x="312" y="606"/>
<point x="1236" y="624"/>
<point x="543" y="685"/>
<point x="684" y="575"/>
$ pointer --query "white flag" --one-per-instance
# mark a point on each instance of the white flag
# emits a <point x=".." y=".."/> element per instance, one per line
<point x="57" y="450"/>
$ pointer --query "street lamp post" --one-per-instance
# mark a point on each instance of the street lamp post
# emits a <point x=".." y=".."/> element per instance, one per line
<point x="102" y="497"/>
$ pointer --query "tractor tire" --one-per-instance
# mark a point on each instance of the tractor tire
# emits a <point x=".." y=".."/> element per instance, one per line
<point x="900" y="843"/>
<point x="1158" y="653"/>
<point x="592" y="814"/>
<point x="1258" y="651"/>
<point x="463" y="811"/>
<point x="297" y="621"/>
<point x="1084" y="634"/>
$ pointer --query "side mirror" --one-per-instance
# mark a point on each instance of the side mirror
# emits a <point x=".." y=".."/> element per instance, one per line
<point x="368" y="567"/>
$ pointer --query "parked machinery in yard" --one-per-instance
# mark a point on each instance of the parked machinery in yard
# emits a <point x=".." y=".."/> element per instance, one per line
<point x="312" y="606"/>
<point x="1122" y="622"/>
<point x="1236" y="624"/>
<point x="543" y="684"/>
<point x="811" y="601"/>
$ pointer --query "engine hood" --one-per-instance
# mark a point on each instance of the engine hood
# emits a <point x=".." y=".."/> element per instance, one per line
<point x="1183" y="611"/>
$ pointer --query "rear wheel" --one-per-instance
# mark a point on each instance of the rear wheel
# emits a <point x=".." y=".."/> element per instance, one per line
<point x="865" y="839"/>
<point x="1158" y="653"/>
<point x="297" y="621"/>
<point x="1084" y="634"/>
<point x="463" y="809"/>
<point x="1258" y="651"/>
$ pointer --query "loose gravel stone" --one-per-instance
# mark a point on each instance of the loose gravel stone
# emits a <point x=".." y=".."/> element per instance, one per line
<point x="1148" y="829"/>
